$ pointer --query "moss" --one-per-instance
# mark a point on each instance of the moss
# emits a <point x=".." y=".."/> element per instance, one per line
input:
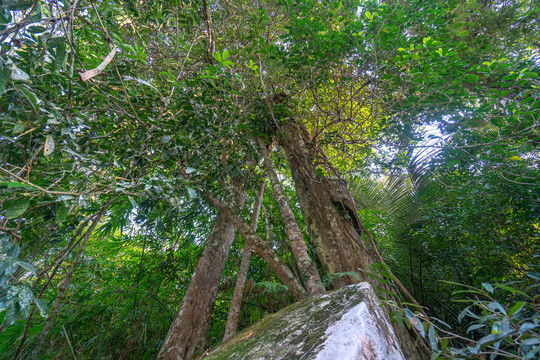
<point x="294" y="332"/>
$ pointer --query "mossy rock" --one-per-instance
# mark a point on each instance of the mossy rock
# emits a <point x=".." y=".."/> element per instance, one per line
<point x="345" y="324"/>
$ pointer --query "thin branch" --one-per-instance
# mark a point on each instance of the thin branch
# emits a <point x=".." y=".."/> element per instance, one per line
<point x="37" y="186"/>
<point x="29" y="19"/>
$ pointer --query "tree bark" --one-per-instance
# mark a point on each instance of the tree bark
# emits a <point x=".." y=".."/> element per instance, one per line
<point x="236" y="301"/>
<point x="327" y="211"/>
<point x="331" y="221"/>
<point x="191" y="323"/>
<point x="307" y="268"/>
<point x="263" y="249"/>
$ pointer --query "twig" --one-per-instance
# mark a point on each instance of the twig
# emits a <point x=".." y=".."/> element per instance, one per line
<point x="29" y="19"/>
<point x="11" y="232"/>
<point x="38" y="187"/>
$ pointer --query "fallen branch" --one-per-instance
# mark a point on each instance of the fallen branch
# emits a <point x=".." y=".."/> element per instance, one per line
<point x="87" y="75"/>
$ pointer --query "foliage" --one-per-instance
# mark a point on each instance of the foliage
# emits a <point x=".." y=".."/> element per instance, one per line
<point x="176" y="115"/>
<point x="510" y="331"/>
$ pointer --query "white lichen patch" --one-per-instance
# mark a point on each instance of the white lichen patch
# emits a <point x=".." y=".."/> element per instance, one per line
<point x="357" y="336"/>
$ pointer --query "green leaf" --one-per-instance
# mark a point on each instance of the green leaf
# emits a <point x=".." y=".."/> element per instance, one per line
<point x="463" y="313"/>
<point x="62" y="213"/>
<point x="5" y="18"/>
<point x="511" y="289"/>
<point x="225" y="54"/>
<point x="532" y="353"/>
<point x="432" y="336"/>
<point x="444" y="344"/>
<point x="18" y="74"/>
<point x="17" y="208"/>
<point x="531" y="341"/>
<point x="16" y="5"/>
<point x="18" y="128"/>
<point x="473" y="78"/>
<point x="32" y="98"/>
<point x="496" y="306"/>
<point x="516" y="308"/>
<point x="497" y="327"/>
<point x="55" y="42"/>
<point x="534" y="275"/>
<point x="4" y="75"/>
<point x="217" y="56"/>
<point x="61" y="58"/>
<point x="488" y="287"/>
<point x="475" y="327"/>
<point x="527" y="326"/>
<point x="48" y="147"/>
<point x="12" y="315"/>
<point x="530" y="75"/>
<point x="489" y="339"/>
<point x="43" y="310"/>
<point x="36" y="29"/>
<point x="27" y="266"/>
<point x="368" y="15"/>
<point x="414" y="321"/>
<point x="13" y="184"/>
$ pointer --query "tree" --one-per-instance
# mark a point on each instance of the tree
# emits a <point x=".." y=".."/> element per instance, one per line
<point x="174" y="122"/>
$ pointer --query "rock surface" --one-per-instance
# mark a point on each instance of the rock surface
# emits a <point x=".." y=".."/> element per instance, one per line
<point x="345" y="324"/>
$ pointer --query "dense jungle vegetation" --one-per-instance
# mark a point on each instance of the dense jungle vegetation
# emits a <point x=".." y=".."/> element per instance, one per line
<point x="173" y="171"/>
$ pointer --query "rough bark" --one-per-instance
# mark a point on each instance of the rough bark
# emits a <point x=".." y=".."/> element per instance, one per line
<point x="263" y="249"/>
<point x="238" y="294"/>
<point x="327" y="212"/>
<point x="331" y="221"/>
<point x="308" y="271"/>
<point x="188" y="330"/>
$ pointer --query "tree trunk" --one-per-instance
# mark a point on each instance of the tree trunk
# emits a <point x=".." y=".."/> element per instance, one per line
<point x="331" y="220"/>
<point x="263" y="249"/>
<point x="191" y="323"/>
<point x="327" y="212"/>
<point x="236" y="301"/>
<point x="308" y="271"/>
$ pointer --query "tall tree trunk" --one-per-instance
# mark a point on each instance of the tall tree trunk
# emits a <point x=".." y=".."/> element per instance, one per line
<point x="238" y="294"/>
<point x="307" y="268"/>
<point x="327" y="211"/>
<point x="263" y="249"/>
<point x="191" y="323"/>
<point x="332" y="223"/>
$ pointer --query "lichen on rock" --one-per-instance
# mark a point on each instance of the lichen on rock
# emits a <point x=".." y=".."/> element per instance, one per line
<point x="345" y="324"/>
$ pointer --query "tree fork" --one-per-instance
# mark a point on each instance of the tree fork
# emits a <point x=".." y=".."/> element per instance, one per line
<point x="263" y="249"/>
